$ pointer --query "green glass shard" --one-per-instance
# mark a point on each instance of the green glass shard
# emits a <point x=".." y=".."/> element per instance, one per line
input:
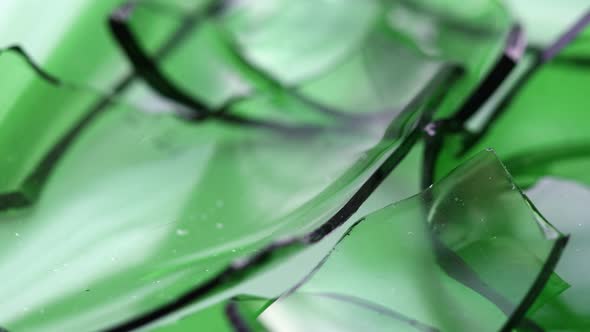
<point x="485" y="26"/>
<point x="535" y="122"/>
<point x="445" y="260"/>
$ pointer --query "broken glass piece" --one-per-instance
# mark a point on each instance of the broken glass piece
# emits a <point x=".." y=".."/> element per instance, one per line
<point x="144" y="207"/>
<point x="447" y="259"/>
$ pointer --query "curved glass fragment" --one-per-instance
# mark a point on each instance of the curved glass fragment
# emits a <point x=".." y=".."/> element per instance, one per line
<point x="144" y="207"/>
<point x="536" y="122"/>
<point x="271" y="123"/>
<point x="445" y="260"/>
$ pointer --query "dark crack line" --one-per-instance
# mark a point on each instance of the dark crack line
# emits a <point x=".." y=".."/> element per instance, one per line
<point x="455" y="267"/>
<point x="29" y="59"/>
<point x="234" y="317"/>
<point x="519" y="315"/>
<point x="511" y="55"/>
<point x="144" y="66"/>
<point x="365" y="190"/>
<point x="233" y="274"/>
<point x="376" y="179"/>
<point x="543" y="57"/>
<point x="435" y="132"/>
<point x="470" y="140"/>
<point x="434" y="139"/>
<point x="238" y="270"/>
